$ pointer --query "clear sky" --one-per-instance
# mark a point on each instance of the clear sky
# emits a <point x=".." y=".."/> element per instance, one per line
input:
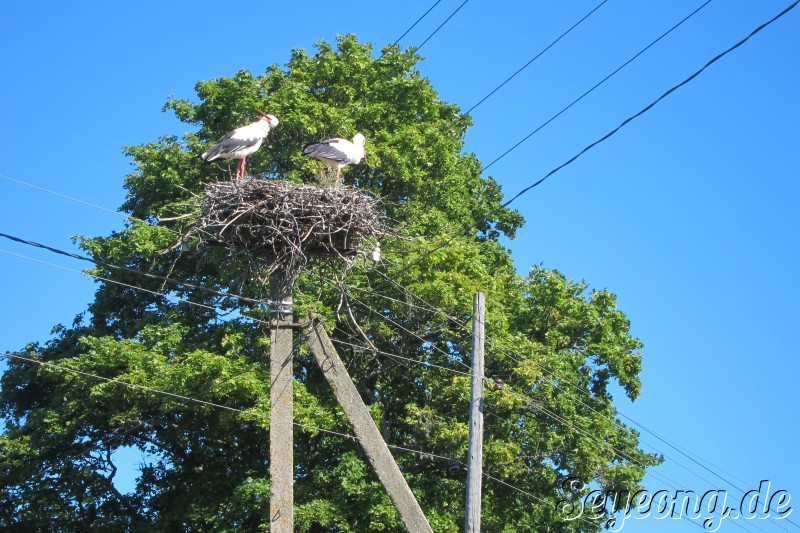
<point x="689" y="214"/>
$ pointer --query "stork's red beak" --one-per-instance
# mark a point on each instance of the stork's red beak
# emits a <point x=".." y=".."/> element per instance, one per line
<point x="271" y="119"/>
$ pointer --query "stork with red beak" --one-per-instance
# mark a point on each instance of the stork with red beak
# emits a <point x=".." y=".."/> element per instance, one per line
<point x="337" y="153"/>
<point x="241" y="142"/>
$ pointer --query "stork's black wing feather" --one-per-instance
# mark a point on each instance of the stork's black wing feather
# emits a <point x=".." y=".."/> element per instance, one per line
<point x="228" y="144"/>
<point x="326" y="150"/>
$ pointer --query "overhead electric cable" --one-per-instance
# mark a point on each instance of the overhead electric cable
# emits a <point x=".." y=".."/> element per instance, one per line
<point x="428" y="38"/>
<point x="400" y="357"/>
<point x="471" y="229"/>
<point x="417" y="22"/>
<point x="61" y="195"/>
<point x="128" y="384"/>
<point x="537" y="56"/>
<point x="598" y="84"/>
<point x="429" y="307"/>
<point x="653" y="103"/>
<point x="405" y="329"/>
<point x="115" y="282"/>
<point x="132" y="270"/>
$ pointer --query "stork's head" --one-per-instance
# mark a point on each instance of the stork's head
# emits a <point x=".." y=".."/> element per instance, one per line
<point x="272" y="120"/>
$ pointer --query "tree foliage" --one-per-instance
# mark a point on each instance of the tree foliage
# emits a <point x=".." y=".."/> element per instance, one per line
<point x="207" y="468"/>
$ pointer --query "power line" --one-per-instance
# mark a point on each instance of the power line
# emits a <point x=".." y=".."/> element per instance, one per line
<point x="683" y="451"/>
<point x="467" y="230"/>
<point x="133" y="270"/>
<point x="416" y="381"/>
<point x="257" y="320"/>
<point x="115" y="282"/>
<point x="598" y="84"/>
<point x="392" y="356"/>
<point x="653" y="103"/>
<point x="510" y="353"/>
<point x="54" y="193"/>
<point x="669" y="481"/>
<point x="400" y="357"/>
<point x="417" y="22"/>
<point x="197" y="304"/>
<point x="172" y="395"/>
<point x="405" y="329"/>
<point x="441" y="25"/>
<point x="537" y="56"/>
<point x="128" y="384"/>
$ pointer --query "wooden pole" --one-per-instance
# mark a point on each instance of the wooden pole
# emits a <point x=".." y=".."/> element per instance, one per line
<point x="281" y="441"/>
<point x="366" y="431"/>
<point x="472" y="523"/>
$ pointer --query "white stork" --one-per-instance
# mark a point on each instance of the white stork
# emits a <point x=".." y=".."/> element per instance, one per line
<point x="337" y="153"/>
<point x="241" y="142"/>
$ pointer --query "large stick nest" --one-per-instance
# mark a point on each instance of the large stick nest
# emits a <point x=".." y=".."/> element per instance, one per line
<point x="283" y="225"/>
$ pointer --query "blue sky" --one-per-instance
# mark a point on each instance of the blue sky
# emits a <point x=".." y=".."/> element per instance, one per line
<point x="688" y="214"/>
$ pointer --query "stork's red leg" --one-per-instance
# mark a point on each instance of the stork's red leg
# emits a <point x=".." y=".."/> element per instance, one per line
<point x="240" y="170"/>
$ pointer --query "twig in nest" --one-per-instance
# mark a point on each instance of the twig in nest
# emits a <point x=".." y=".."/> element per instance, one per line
<point x="180" y="217"/>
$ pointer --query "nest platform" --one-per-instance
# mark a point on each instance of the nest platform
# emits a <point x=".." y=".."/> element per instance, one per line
<point x="283" y="225"/>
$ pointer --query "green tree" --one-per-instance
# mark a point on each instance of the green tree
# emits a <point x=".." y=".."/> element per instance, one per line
<point x="206" y="468"/>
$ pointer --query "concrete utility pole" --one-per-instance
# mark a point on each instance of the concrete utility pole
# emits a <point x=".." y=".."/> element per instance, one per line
<point x="366" y="431"/>
<point x="472" y="522"/>
<point x="281" y="441"/>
